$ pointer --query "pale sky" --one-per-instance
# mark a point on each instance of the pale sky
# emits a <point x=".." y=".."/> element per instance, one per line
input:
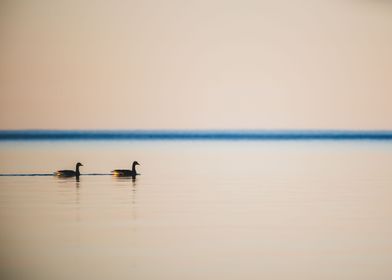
<point x="196" y="64"/>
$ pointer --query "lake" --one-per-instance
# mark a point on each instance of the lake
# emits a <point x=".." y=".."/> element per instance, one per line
<point x="199" y="210"/>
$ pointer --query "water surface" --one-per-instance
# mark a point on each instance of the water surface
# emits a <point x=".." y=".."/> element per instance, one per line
<point x="200" y="210"/>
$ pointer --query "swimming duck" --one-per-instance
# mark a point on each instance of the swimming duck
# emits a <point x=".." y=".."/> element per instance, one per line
<point x="126" y="172"/>
<point x="69" y="173"/>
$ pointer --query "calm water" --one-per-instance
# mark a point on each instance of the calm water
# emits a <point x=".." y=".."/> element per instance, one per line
<point x="200" y="210"/>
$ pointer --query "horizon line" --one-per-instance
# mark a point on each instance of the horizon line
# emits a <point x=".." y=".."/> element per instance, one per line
<point x="195" y="134"/>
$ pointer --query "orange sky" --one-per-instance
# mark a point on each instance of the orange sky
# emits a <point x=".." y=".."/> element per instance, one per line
<point x="196" y="64"/>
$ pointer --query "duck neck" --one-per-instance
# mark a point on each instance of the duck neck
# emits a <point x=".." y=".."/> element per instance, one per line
<point x="77" y="170"/>
<point x="134" y="168"/>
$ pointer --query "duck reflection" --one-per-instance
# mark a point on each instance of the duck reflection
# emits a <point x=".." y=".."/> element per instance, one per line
<point x="67" y="180"/>
<point x="126" y="179"/>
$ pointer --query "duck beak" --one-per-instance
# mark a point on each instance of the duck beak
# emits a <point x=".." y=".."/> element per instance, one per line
<point x="81" y="165"/>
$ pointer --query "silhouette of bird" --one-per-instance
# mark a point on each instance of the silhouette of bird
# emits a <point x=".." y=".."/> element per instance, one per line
<point x="69" y="173"/>
<point x="126" y="172"/>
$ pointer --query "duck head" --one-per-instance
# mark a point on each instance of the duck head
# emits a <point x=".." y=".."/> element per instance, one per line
<point x="79" y="164"/>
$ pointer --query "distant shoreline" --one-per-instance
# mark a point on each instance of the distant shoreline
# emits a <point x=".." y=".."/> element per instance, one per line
<point x="53" y="135"/>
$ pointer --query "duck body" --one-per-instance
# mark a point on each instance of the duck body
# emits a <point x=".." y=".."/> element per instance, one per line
<point x="126" y="172"/>
<point x="66" y="173"/>
<point x="69" y="173"/>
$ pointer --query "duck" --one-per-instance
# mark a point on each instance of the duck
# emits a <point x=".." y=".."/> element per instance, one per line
<point x="126" y="172"/>
<point x="69" y="173"/>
